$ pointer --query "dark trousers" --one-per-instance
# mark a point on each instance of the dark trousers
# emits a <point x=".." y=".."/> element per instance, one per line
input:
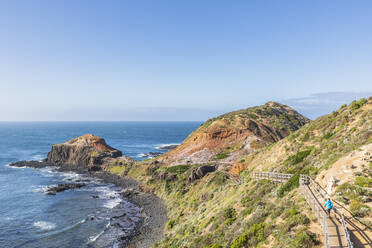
<point x="329" y="211"/>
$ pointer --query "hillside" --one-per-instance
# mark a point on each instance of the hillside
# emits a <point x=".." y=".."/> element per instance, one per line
<point x="233" y="135"/>
<point x="215" y="211"/>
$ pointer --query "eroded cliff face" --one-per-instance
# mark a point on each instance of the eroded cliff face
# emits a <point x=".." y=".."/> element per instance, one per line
<point x="230" y="136"/>
<point x="87" y="152"/>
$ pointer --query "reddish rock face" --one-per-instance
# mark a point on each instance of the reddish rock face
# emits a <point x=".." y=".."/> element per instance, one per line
<point x="236" y="133"/>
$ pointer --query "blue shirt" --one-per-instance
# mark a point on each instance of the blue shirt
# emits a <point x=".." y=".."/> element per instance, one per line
<point x="328" y="204"/>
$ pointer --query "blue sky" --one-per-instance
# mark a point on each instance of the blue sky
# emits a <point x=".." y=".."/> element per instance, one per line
<point x="179" y="60"/>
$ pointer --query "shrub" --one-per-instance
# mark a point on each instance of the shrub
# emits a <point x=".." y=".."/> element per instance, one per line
<point x="214" y="246"/>
<point x="291" y="184"/>
<point x="305" y="137"/>
<point x="178" y="169"/>
<point x="171" y="224"/>
<point x="363" y="182"/>
<point x="298" y="157"/>
<point x="252" y="237"/>
<point x="117" y="169"/>
<point x="151" y="170"/>
<point x="219" y="178"/>
<point x="229" y="213"/>
<point x="358" y="209"/>
<point x="305" y="239"/>
<point x="357" y="104"/>
<point x="222" y="155"/>
<point x="328" y="135"/>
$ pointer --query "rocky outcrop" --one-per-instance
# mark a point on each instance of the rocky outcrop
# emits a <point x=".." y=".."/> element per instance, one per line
<point x="63" y="187"/>
<point x="224" y="139"/>
<point x="88" y="152"/>
<point x="32" y="164"/>
<point x="200" y="172"/>
<point x="168" y="147"/>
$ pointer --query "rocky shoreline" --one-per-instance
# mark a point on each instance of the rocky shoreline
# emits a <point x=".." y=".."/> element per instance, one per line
<point x="153" y="212"/>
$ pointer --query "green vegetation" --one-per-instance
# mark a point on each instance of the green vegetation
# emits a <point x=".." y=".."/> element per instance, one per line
<point x="363" y="182"/>
<point x="179" y="169"/>
<point x="357" y="104"/>
<point x="298" y="157"/>
<point x="291" y="184"/>
<point x="170" y="224"/>
<point x="222" y="156"/>
<point x="358" y="209"/>
<point x="117" y="170"/>
<point x="229" y="213"/>
<point x="256" y="234"/>
<point x="214" y="212"/>
<point x="304" y="239"/>
<point x="276" y="114"/>
<point x="214" y="246"/>
<point x="328" y="135"/>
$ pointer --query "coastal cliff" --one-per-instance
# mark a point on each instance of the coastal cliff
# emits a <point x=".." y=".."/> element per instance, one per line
<point x="211" y="208"/>
<point x="85" y="152"/>
<point x="226" y="138"/>
<point x="207" y="185"/>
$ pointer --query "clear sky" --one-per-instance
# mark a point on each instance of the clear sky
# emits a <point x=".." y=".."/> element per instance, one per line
<point x="177" y="60"/>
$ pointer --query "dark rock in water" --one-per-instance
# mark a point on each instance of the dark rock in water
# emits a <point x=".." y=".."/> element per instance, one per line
<point x="95" y="196"/>
<point x="94" y="168"/>
<point x="152" y="154"/>
<point x="129" y="192"/>
<point x="32" y="164"/>
<point x="167" y="147"/>
<point x="63" y="187"/>
<point x="200" y="172"/>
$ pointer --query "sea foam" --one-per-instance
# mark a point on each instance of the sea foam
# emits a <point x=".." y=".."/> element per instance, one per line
<point x="164" y="146"/>
<point x="44" y="225"/>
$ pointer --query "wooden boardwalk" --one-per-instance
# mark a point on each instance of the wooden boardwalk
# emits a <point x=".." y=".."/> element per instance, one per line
<point x="338" y="230"/>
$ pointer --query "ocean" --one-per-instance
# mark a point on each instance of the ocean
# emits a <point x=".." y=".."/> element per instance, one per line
<point x="73" y="218"/>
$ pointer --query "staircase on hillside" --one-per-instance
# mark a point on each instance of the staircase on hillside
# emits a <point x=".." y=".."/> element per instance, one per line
<point x="338" y="230"/>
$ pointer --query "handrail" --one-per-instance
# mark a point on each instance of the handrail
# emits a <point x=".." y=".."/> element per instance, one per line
<point x="274" y="176"/>
<point x="305" y="183"/>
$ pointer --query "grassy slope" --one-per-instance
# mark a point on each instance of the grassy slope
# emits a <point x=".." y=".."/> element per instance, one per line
<point x="274" y="114"/>
<point x="214" y="212"/>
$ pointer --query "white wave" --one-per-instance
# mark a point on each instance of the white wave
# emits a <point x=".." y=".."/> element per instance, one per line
<point x="44" y="225"/>
<point x="48" y="170"/>
<point x="15" y="167"/>
<point x="93" y="239"/>
<point x="71" y="176"/>
<point x="163" y="146"/>
<point x="141" y="155"/>
<point x="41" y="188"/>
<point x="112" y="196"/>
<point x="112" y="203"/>
<point x="38" y="157"/>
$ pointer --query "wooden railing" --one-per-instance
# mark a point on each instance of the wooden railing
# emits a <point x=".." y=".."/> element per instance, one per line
<point x="307" y="184"/>
<point x="272" y="176"/>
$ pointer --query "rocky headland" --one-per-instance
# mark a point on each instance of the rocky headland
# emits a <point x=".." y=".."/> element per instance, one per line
<point x="226" y="138"/>
<point x="207" y="186"/>
<point x="91" y="155"/>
